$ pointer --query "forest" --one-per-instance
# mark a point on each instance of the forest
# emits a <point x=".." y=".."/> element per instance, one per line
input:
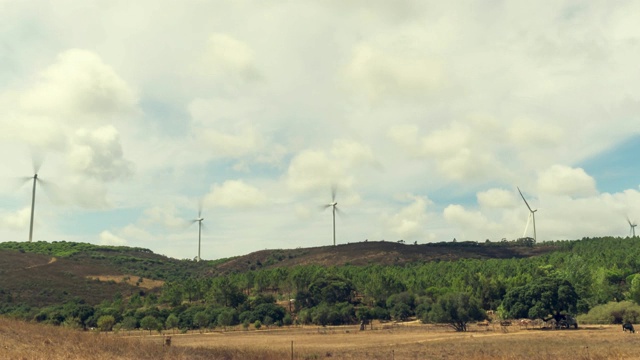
<point x="595" y="278"/>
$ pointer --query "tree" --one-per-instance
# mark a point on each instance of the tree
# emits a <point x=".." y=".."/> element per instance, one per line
<point x="225" y="318"/>
<point x="456" y="310"/>
<point x="106" y="322"/>
<point x="172" y="322"/>
<point x="200" y="319"/>
<point x="129" y="323"/>
<point x="149" y="322"/>
<point x="540" y="298"/>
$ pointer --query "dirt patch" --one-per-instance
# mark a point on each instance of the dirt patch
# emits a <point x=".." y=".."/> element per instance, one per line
<point x="129" y="279"/>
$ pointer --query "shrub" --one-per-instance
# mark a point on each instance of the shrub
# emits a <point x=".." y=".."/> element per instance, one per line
<point x="612" y="313"/>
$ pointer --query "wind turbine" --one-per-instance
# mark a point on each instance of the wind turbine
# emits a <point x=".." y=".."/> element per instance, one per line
<point x="36" y="168"/>
<point x="632" y="226"/>
<point x="532" y="215"/>
<point x="199" y="220"/>
<point x="334" y="209"/>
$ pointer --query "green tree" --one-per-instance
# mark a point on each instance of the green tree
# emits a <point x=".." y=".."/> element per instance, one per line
<point x="456" y="310"/>
<point x="172" y="322"/>
<point x="149" y="322"/>
<point x="106" y="322"/>
<point x="200" y="320"/>
<point x="225" y="318"/>
<point x="321" y="315"/>
<point x="129" y="323"/>
<point x="540" y="298"/>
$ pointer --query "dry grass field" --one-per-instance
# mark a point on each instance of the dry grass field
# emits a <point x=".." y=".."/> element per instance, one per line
<point x="20" y="340"/>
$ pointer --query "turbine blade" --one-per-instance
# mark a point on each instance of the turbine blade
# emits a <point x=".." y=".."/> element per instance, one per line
<point x="36" y="161"/>
<point x="525" y="200"/>
<point x="52" y="190"/>
<point x="334" y="190"/>
<point x="524" y="234"/>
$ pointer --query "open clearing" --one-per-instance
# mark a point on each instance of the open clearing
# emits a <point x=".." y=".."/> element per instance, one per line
<point x="30" y="341"/>
<point x="422" y="342"/>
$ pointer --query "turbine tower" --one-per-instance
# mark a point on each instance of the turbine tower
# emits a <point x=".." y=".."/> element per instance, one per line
<point x="33" y="204"/>
<point x="199" y="220"/>
<point x="36" y="167"/>
<point x="532" y="215"/>
<point x="334" y="209"/>
<point x="632" y="228"/>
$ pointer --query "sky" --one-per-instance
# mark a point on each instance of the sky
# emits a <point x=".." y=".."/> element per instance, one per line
<point x="426" y="116"/>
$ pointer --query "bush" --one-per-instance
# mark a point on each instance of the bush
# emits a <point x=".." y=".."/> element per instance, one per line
<point x="612" y="313"/>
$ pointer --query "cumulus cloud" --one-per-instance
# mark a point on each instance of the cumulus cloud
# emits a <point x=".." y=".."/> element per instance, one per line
<point x="98" y="153"/>
<point x="535" y="133"/>
<point x="409" y="223"/>
<point x="235" y="194"/>
<point x="225" y="56"/>
<point x="472" y="221"/>
<point x="565" y="180"/>
<point x="496" y="198"/>
<point x="17" y="220"/>
<point x="165" y="216"/>
<point x="317" y="169"/>
<point x="107" y="238"/>
<point x="381" y="71"/>
<point x="222" y="128"/>
<point x="79" y="83"/>
<point x="84" y="192"/>
<point x="460" y="150"/>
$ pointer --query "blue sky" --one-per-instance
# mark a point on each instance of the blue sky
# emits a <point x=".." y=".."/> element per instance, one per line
<point x="426" y="115"/>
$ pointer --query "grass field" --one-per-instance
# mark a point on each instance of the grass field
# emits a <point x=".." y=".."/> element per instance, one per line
<point x="20" y="340"/>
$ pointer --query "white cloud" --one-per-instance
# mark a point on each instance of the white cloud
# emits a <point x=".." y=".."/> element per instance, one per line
<point x="225" y="55"/>
<point x="409" y="222"/>
<point x="340" y="166"/>
<point x="222" y="129"/>
<point x="496" y="198"/>
<point x="166" y="216"/>
<point x="18" y="220"/>
<point x="564" y="180"/>
<point x="394" y="70"/>
<point x="84" y="192"/>
<point x="79" y="83"/>
<point x="98" y="153"/>
<point x="107" y="238"/>
<point x="235" y="194"/>
<point x="535" y="133"/>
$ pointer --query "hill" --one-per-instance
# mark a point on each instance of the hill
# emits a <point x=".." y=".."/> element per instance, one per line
<point x="39" y="274"/>
<point x="379" y="253"/>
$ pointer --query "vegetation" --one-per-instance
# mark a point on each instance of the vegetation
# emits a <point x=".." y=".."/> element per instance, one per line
<point x="568" y="277"/>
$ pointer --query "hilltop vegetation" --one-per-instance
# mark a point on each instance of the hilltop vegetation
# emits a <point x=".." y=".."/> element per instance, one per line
<point x="332" y="285"/>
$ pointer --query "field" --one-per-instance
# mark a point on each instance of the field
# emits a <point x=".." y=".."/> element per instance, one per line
<point x="414" y="341"/>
